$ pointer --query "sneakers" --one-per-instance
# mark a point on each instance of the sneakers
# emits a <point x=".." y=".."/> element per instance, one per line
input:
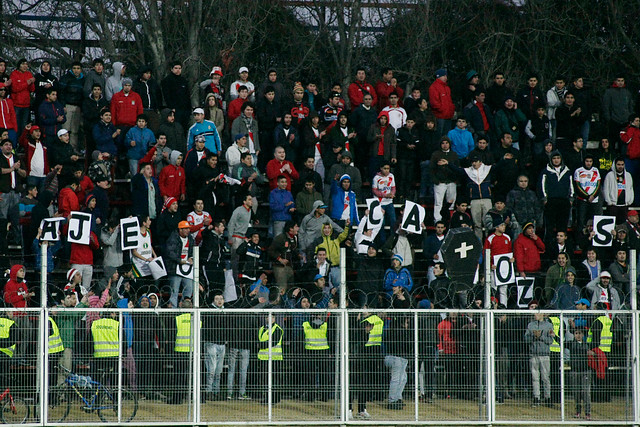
<point x="587" y="417"/>
<point x="396" y="406"/>
<point x="577" y="415"/>
<point x="244" y="396"/>
<point x="364" y="415"/>
<point x="536" y="402"/>
<point x="350" y="415"/>
<point x="229" y="397"/>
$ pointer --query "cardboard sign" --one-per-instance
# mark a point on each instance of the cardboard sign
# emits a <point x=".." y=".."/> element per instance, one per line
<point x="130" y="233"/>
<point x="525" y="290"/>
<point x="504" y="273"/>
<point x="376" y="216"/>
<point x="414" y="215"/>
<point x="79" y="228"/>
<point x="50" y="229"/>
<point x="185" y="270"/>
<point x="603" y="226"/>
<point x="157" y="268"/>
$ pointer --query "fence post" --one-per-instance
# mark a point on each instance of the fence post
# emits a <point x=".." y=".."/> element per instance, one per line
<point x="43" y="273"/>
<point x="490" y="374"/>
<point x="635" y="349"/>
<point x="195" y="334"/>
<point x="633" y="278"/>
<point x="43" y="362"/>
<point x="344" y="365"/>
<point x="416" y="364"/>
<point x="343" y="278"/>
<point x="487" y="279"/>
<point x="563" y="381"/>
<point x="120" y="341"/>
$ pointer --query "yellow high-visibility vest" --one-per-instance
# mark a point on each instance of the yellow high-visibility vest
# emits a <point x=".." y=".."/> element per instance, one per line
<point x="183" y="333"/>
<point x="5" y="327"/>
<point x="276" y="350"/>
<point x="375" y="334"/>
<point x="315" y="339"/>
<point x="55" y="342"/>
<point x="105" y="338"/>
<point x="606" y="338"/>
<point x="555" y="347"/>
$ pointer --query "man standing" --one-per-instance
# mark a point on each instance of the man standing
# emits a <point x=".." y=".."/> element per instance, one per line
<point x="206" y="128"/>
<point x="151" y="96"/>
<point x="539" y="337"/>
<point x="285" y="255"/>
<point x="126" y="106"/>
<point x="71" y="96"/>
<point x="387" y="85"/>
<point x="557" y="194"/>
<point x="22" y="86"/>
<point x="179" y="252"/>
<point x="617" y="106"/>
<point x="443" y="177"/>
<point x="176" y="94"/>
<point x="618" y="190"/>
<point x="397" y="114"/>
<point x="527" y="249"/>
<point x="11" y="172"/>
<point x="359" y="88"/>
<point x="588" y="186"/>
<point x="441" y="102"/>
<point x="51" y="116"/>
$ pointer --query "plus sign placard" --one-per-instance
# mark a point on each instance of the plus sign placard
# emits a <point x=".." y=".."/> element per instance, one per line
<point x="461" y="251"/>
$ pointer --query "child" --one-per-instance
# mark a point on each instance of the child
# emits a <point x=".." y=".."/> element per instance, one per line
<point x="29" y="201"/>
<point x="580" y="374"/>
<point x="137" y="141"/>
<point x="538" y="129"/>
<point x="460" y="217"/>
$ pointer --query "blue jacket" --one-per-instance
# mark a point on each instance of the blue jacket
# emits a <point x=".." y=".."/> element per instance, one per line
<point x="140" y="190"/>
<point x="337" y="203"/>
<point x="277" y="201"/>
<point x="393" y="278"/>
<point x="461" y="142"/>
<point x="210" y="132"/>
<point x="143" y="138"/>
<point x="556" y="184"/>
<point x="103" y="136"/>
<point x="127" y="329"/>
<point x="48" y="114"/>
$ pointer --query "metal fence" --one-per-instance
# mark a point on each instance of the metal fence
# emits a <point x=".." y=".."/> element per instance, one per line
<point x="275" y="367"/>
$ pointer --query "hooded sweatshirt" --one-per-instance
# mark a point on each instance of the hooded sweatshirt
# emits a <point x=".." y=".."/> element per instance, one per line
<point x="114" y="82"/>
<point x="42" y="80"/>
<point x="556" y="183"/>
<point x="614" y="186"/>
<point x="16" y="290"/>
<point x="172" y="181"/>
<point x="311" y="226"/>
<point x="20" y="89"/>
<point x="385" y="147"/>
<point x="173" y="131"/>
<point x="92" y="77"/>
<point x="343" y="203"/>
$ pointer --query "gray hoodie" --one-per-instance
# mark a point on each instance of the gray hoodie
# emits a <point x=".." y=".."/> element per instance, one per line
<point x="311" y="226"/>
<point x="539" y="346"/>
<point x="114" y="82"/>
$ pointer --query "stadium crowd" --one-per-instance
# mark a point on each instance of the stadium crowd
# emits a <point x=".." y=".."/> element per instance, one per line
<point x="269" y="179"/>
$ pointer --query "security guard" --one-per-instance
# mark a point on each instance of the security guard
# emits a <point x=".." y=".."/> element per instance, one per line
<point x="181" y="349"/>
<point x="318" y="357"/>
<point x="55" y="348"/>
<point x="600" y="333"/>
<point x="106" y="345"/>
<point x="8" y="339"/>
<point x="270" y="331"/>
<point x="372" y="355"/>
<point x="554" y="357"/>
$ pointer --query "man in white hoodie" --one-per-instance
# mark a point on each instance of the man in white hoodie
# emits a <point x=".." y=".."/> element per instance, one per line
<point x="234" y="152"/>
<point x="114" y="82"/>
<point x="618" y="191"/>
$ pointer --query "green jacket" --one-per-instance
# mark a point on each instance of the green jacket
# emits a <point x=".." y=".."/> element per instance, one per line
<point x="67" y="322"/>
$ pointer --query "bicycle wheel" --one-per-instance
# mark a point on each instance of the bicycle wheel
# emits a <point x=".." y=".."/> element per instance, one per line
<point x="108" y="405"/>
<point x="59" y="403"/>
<point x="16" y="413"/>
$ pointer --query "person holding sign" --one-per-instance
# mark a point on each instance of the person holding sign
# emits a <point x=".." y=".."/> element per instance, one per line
<point x="144" y="253"/>
<point x="499" y="243"/>
<point x="178" y="257"/>
<point x="384" y="188"/>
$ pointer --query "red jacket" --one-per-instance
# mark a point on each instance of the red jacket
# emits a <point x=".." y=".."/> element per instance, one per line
<point x="67" y="202"/>
<point x="527" y="254"/>
<point x="125" y="109"/>
<point x="31" y="149"/>
<point x="440" y="100"/>
<point x="383" y="90"/>
<point x="356" y="93"/>
<point x="14" y="291"/>
<point x="235" y="109"/>
<point x="20" y="89"/>
<point x="83" y="254"/>
<point x="172" y="181"/>
<point x="273" y="172"/>
<point x="498" y="244"/>
<point x="8" y="115"/>
<point x="86" y="186"/>
<point x="631" y="136"/>
<point x="446" y="342"/>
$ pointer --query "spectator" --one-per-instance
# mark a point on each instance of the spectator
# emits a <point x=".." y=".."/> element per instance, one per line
<point x="251" y="255"/>
<point x="110" y="239"/>
<point x="247" y="125"/>
<point x="441" y="103"/>
<point x="567" y="293"/>
<point x="8" y="115"/>
<point x="179" y="251"/>
<point x="574" y="157"/>
<point x="44" y="80"/>
<point x="555" y="97"/>
<point x="250" y="178"/>
<point x="269" y="114"/>
<point x="37" y="161"/>
<point x="539" y="336"/>
<point x="92" y="107"/>
<point x="602" y="292"/>
<point x="618" y="190"/>
<point x="619" y="270"/>
<point x="570" y="118"/>
<point x="216" y="257"/>
<point x="343" y="201"/>
<point x="414" y="99"/>
<point x="148" y="200"/>
<point x="561" y="244"/>
<point x="461" y="139"/>
<point x="524" y="203"/>
<point x="630" y="137"/>
<point x="332" y="247"/>
<point x="362" y="118"/>
<point x="305" y="199"/>
<point x="284" y="254"/>
<point x="71" y="96"/>
<point x="479" y="115"/>
<point x="126" y="107"/>
<point x="557" y="194"/>
<point x="214" y="113"/>
<point x="62" y="152"/>
<point x="172" y="178"/>
<point x="314" y="145"/>
<point x="479" y="179"/>
<point x="449" y="350"/>
<point x="67" y="199"/>
<point x="279" y="166"/>
<point x="461" y="216"/>
<point x="580" y="375"/>
<point x="115" y="82"/>
<point x="234" y="90"/>
<point x="443" y="177"/>
<point x="213" y="87"/>
<point x="359" y="88"/>
<point x="617" y="106"/>
<point x="588" y="185"/>
<point x="177" y="94"/>
<point x="138" y="140"/>
<point x="530" y="96"/>
<point x="510" y="120"/>
<point x="497" y="92"/>
<point x="51" y="115"/>
<point x="498" y="214"/>
<point x="149" y="90"/>
<point x="172" y="130"/>
<point x="199" y="220"/>
<point x="16" y="292"/>
<point x="409" y="143"/>
<point x="539" y="130"/>
<point x="591" y="266"/>
<point x="429" y="143"/>
<point x="167" y="220"/>
<point x="397" y="276"/>
<point x="397" y="357"/>
<point x="281" y="205"/>
<point x="555" y="276"/>
<point x="387" y="85"/>
<point x="312" y="224"/>
<point x="22" y="86"/>
<point x="95" y="76"/>
<point x="286" y="135"/>
<point x="105" y="134"/>
<point x="206" y="128"/>
<point x="527" y="249"/>
<point x="397" y="114"/>
<point x="499" y="243"/>
<point x="241" y="219"/>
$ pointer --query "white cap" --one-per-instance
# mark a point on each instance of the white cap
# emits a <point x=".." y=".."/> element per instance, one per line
<point x="243" y="70"/>
<point x="198" y="111"/>
<point x="605" y="274"/>
<point x="62" y="132"/>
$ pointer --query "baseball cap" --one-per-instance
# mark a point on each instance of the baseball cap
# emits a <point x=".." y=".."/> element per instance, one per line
<point x="583" y="301"/>
<point x="605" y="274"/>
<point x="62" y="132"/>
<point x="198" y="111"/>
<point x="318" y="277"/>
<point x="632" y="213"/>
<point x="183" y="224"/>
<point x="243" y="70"/>
<point x="216" y="70"/>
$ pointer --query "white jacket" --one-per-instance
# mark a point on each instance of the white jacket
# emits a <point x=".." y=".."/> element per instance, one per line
<point x="610" y="189"/>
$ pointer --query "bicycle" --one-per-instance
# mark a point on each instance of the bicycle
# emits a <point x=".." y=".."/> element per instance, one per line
<point x="15" y="410"/>
<point x="102" y="400"/>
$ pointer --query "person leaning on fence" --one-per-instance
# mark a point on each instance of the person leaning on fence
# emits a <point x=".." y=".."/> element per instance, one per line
<point x="539" y="337"/>
<point x="270" y="336"/>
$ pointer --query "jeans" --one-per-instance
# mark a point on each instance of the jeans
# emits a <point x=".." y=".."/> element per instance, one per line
<point x="398" y="367"/>
<point x="540" y="367"/>
<point x="584" y="130"/>
<point x="86" y="270"/>
<point x="74" y="120"/>
<point x="175" y="281"/>
<point x="389" y="219"/>
<point x="443" y="126"/>
<point x="213" y="362"/>
<point x="426" y="186"/>
<point x="581" y="384"/>
<point x="234" y="354"/>
<point x="23" y="115"/>
<point x="441" y="191"/>
<point x="133" y="167"/>
<point x="479" y="208"/>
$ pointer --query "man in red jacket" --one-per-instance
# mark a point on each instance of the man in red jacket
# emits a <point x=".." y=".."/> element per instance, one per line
<point x="441" y="102"/>
<point x="126" y="106"/>
<point x="279" y="166"/>
<point x="67" y="199"/>
<point x="499" y="243"/>
<point x="527" y="248"/>
<point x="81" y="259"/>
<point x="359" y="88"/>
<point x="22" y="86"/>
<point x="384" y="88"/>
